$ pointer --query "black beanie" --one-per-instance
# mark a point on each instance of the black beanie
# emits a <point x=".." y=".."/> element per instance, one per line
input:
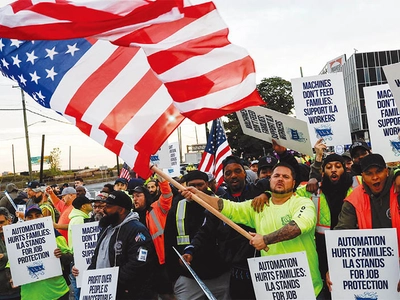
<point x="333" y="157"/>
<point x="193" y="175"/>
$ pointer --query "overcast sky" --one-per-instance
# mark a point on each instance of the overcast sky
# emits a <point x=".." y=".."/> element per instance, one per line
<point x="281" y="36"/>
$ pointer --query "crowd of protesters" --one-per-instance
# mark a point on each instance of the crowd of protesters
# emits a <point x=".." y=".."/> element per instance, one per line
<point x="143" y="222"/>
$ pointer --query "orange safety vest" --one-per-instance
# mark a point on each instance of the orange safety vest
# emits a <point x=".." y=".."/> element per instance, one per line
<point x="361" y="202"/>
<point x="157" y="217"/>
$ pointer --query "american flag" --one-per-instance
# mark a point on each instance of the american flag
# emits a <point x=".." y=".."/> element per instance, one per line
<point x="217" y="149"/>
<point x="125" y="172"/>
<point x="110" y="92"/>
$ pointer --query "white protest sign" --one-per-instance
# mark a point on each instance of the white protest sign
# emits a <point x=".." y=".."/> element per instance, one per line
<point x="363" y="264"/>
<point x="174" y="159"/>
<point x="84" y="241"/>
<point x="161" y="157"/>
<point x="99" y="284"/>
<point x="321" y="102"/>
<point x="392" y="73"/>
<point x="267" y="124"/>
<point x="282" y="277"/>
<point x="383" y="121"/>
<point x="30" y="247"/>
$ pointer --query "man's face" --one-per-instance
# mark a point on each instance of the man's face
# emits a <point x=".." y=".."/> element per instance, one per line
<point x="30" y="193"/>
<point x="78" y="183"/>
<point x="98" y="207"/>
<point x="3" y="221"/>
<point x="265" y="172"/>
<point x="119" y="186"/>
<point x="235" y="177"/>
<point x="111" y="215"/>
<point x="33" y="215"/>
<point x="282" y="181"/>
<point x="359" y="153"/>
<point x="37" y="197"/>
<point x="139" y="200"/>
<point x="68" y="198"/>
<point x="348" y="163"/>
<point x="254" y="168"/>
<point x="56" y="189"/>
<point x="333" y="170"/>
<point x="80" y="191"/>
<point x="375" y="178"/>
<point x="152" y="187"/>
<point x="199" y="184"/>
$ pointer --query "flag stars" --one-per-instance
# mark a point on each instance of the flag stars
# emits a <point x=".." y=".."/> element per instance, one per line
<point x="5" y="63"/>
<point x="34" y="77"/>
<point x="51" y="73"/>
<point x="51" y="53"/>
<point x="31" y="57"/>
<point x="22" y="79"/>
<point x="15" y="43"/>
<point x="72" y="49"/>
<point x="16" y="61"/>
<point x="40" y="96"/>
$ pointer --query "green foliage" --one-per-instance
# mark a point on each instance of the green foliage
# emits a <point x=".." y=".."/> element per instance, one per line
<point x="55" y="162"/>
<point x="277" y="93"/>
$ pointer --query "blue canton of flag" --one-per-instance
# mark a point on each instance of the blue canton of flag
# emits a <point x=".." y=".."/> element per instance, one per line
<point x="217" y="149"/>
<point x="39" y="66"/>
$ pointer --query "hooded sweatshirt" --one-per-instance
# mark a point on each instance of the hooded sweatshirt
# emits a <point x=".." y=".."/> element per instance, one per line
<point x="76" y="216"/>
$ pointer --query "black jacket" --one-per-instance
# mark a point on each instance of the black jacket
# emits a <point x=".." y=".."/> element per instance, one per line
<point x="135" y="279"/>
<point x="207" y="264"/>
<point x="233" y="247"/>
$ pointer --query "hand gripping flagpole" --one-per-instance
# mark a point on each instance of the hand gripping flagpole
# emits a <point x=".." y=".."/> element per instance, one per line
<point x="203" y="203"/>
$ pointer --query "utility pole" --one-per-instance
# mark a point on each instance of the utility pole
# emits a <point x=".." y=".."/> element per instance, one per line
<point x="28" y="148"/>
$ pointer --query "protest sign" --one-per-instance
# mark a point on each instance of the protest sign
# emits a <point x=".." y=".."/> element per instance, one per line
<point x="30" y="248"/>
<point x="174" y="160"/>
<point x="392" y="73"/>
<point x="99" y="284"/>
<point x="267" y="124"/>
<point x="321" y="102"/>
<point x="363" y="263"/>
<point x="383" y="121"/>
<point x="84" y="241"/>
<point x="281" y="277"/>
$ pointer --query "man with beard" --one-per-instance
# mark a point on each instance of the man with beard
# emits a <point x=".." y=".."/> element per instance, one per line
<point x="154" y="189"/>
<point x="39" y="196"/>
<point x="287" y="225"/>
<point x="183" y="221"/>
<point x="335" y="186"/>
<point x="375" y="203"/>
<point x="126" y="243"/>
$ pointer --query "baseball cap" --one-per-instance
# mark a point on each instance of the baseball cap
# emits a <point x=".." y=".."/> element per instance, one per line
<point x="358" y="144"/>
<point x="121" y="180"/>
<point x="372" y="160"/>
<point x="68" y="190"/>
<point x="32" y="208"/>
<point x="138" y="189"/>
<point x="267" y="161"/>
<point x="120" y="198"/>
<point x="193" y="175"/>
<point x="254" y="162"/>
<point x="11" y="187"/>
<point x="232" y="159"/>
<point x="346" y="155"/>
<point x="79" y="201"/>
<point x="36" y="186"/>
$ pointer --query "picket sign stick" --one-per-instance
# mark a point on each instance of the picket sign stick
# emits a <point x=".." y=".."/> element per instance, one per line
<point x="203" y="203"/>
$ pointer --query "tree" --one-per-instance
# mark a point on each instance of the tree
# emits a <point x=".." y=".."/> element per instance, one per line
<point x="277" y="93"/>
<point x="55" y="161"/>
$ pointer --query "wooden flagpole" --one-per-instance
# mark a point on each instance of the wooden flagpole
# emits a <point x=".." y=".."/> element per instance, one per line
<point x="203" y="203"/>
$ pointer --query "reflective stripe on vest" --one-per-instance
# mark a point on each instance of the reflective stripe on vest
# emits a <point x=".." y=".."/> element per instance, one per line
<point x="181" y="238"/>
<point x="356" y="182"/>
<point x="160" y="230"/>
<point x="320" y="228"/>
